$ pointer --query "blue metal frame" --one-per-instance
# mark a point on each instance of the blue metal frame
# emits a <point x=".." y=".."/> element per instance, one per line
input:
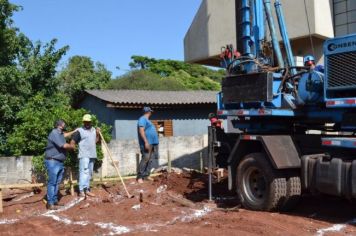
<point x="272" y="29"/>
<point x="257" y="112"/>
<point x="280" y="103"/>
<point x="246" y="28"/>
<point x="285" y="36"/>
<point x="258" y="26"/>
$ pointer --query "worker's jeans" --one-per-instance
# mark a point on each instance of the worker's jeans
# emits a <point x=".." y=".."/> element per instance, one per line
<point x="55" y="170"/>
<point x="144" y="169"/>
<point x="86" y="167"/>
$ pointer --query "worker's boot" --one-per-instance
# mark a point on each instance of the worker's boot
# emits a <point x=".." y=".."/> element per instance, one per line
<point x="90" y="194"/>
<point x="51" y="207"/>
<point x="58" y="204"/>
<point x="81" y="195"/>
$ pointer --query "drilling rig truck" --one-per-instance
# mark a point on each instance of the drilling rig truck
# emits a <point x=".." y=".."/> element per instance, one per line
<point x="290" y="130"/>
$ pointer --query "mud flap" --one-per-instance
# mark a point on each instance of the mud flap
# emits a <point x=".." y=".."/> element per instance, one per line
<point x="282" y="151"/>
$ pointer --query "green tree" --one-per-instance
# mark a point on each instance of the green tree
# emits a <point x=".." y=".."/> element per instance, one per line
<point x="82" y="73"/>
<point x="145" y="80"/>
<point x="141" y="62"/>
<point x="9" y="39"/>
<point x="39" y="66"/>
<point x="167" y="67"/>
<point x="25" y="69"/>
<point x="36" y="121"/>
<point x="153" y="74"/>
<point x="194" y="83"/>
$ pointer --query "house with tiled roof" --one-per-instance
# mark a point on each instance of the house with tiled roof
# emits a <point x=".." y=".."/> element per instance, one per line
<point x="178" y="113"/>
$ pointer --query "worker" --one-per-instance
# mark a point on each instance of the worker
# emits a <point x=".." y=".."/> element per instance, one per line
<point x="55" y="154"/>
<point x="148" y="142"/>
<point x="309" y="61"/>
<point x="214" y="121"/>
<point x="86" y="137"/>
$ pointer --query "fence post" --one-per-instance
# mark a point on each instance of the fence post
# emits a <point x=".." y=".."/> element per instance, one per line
<point x="71" y="182"/>
<point x="137" y="162"/>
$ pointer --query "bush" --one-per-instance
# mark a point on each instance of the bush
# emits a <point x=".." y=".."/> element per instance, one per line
<point x="37" y="119"/>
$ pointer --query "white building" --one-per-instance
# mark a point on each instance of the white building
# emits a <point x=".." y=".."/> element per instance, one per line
<point x="215" y="25"/>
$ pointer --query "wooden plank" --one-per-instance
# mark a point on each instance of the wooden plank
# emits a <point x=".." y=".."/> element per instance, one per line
<point x="20" y="185"/>
<point x="114" y="178"/>
<point x="71" y="182"/>
<point x="182" y="201"/>
<point x="1" y="208"/>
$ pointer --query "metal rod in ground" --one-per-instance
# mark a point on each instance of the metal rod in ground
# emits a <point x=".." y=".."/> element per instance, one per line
<point x="169" y="162"/>
<point x="201" y="162"/>
<point x="116" y="168"/>
<point x="210" y="162"/>
<point x="210" y="185"/>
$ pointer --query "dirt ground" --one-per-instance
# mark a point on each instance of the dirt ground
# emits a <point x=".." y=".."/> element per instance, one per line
<point x="171" y="204"/>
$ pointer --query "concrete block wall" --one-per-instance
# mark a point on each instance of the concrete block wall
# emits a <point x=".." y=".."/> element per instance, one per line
<point x="15" y="170"/>
<point x="184" y="151"/>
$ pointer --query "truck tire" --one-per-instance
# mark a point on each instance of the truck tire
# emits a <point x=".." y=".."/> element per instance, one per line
<point x="259" y="186"/>
<point x="294" y="191"/>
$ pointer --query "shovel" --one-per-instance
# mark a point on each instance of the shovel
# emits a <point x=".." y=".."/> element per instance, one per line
<point x="116" y="168"/>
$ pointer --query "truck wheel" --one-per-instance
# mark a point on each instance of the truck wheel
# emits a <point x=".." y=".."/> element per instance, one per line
<point x="294" y="191"/>
<point x="259" y="186"/>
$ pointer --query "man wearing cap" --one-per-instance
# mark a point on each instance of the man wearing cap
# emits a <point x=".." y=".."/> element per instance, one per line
<point x="86" y="137"/>
<point x="55" y="154"/>
<point x="309" y="61"/>
<point x="148" y="141"/>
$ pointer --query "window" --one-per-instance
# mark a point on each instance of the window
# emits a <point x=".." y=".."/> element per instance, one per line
<point x="164" y="127"/>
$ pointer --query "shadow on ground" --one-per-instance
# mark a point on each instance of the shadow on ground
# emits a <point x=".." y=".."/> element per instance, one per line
<point x="324" y="208"/>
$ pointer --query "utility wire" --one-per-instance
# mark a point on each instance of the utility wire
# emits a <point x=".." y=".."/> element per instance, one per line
<point x="310" y="36"/>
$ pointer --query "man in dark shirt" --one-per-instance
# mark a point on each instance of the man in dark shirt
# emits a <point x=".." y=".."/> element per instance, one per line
<point x="55" y="155"/>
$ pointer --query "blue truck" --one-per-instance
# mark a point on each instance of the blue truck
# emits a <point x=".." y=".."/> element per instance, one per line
<point x="290" y="130"/>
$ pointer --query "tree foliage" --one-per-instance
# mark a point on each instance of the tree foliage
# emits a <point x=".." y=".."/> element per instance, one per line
<point x="168" y="67"/>
<point x="37" y="119"/>
<point x="9" y="40"/>
<point x="157" y="74"/>
<point x="145" y="80"/>
<point x="80" y="74"/>
<point x="26" y="68"/>
<point x="30" y="93"/>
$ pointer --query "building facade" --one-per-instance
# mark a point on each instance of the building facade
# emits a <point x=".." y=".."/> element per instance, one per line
<point x="176" y="113"/>
<point x="216" y="24"/>
<point x="344" y="17"/>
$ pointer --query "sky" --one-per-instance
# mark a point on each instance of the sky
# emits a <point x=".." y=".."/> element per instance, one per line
<point x="110" y="31"/>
